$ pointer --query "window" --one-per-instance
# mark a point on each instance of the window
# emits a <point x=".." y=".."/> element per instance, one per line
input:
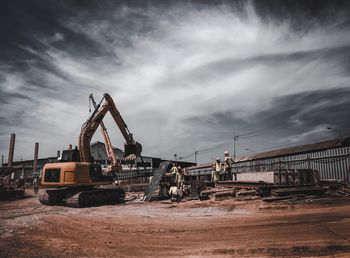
<point x="52" y="175"/>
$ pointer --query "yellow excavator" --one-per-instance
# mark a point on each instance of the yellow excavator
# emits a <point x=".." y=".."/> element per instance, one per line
<point x="76" y="180"/>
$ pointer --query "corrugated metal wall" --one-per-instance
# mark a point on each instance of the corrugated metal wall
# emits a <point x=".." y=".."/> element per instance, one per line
<point x="331" y="163"/>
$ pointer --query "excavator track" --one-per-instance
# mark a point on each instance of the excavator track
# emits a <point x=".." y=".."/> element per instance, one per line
<point x="96" y="197"/>
<point x="53" y="196"/>
<point x="82" y="198"/>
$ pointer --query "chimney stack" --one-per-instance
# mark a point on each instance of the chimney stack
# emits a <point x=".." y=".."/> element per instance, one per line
<point x="11" y="150"/>
<point x="36" y="151"/>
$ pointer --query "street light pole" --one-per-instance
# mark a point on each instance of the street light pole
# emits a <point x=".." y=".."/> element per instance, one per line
<point x="235" y="138"/>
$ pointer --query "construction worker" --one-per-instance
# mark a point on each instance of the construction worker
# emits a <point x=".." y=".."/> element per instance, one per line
<point x="174" y="172"/>
<point x="215" y="176"/>
<point x="36" y="185"/>
<point x="175" y="193"/>
<point x="217" y="170"/>
<point x="179" y="177"/>
<point x="228" y="166"/>
<point x="186" y="190"/>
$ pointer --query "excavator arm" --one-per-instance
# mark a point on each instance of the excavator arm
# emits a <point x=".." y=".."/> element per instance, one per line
<point x="132" y="148"/>
<point x="115" y="164"/>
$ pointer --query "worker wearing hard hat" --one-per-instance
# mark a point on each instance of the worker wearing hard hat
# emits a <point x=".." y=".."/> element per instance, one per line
<point x="179" y="177"/>
<point x="173" y="170"/>
<point x="215" y="174"/>
<point x="228" y="167"/>
<point x="36" y="185"/>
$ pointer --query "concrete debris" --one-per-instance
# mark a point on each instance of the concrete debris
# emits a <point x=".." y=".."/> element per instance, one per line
<point x="316" y="190"/>
<point x="248" y="198"/>
<point x="243" y="193"/>
<point x="222" y="195"/>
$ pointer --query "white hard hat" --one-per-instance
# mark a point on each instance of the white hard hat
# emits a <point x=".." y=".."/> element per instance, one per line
<point x="217" y="158"/>
<point x="226" y="153"/>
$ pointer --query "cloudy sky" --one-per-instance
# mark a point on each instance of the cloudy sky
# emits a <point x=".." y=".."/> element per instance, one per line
<point x="185" y="75"/>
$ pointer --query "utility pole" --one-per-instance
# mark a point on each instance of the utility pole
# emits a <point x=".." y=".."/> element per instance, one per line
<point x="235" y="138"/>
<point x="195" y="156"/>
<point x="233" y="143"/>
<point x="175" y="158"/>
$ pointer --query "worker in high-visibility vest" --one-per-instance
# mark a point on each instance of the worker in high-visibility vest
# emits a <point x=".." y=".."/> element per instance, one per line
<point x="179" y="177"/>
<point x="216" y="173"/>
<point x="228" y="167"/>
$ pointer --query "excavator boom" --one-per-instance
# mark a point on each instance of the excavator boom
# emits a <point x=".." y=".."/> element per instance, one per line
<point x="89" y="128"/>
<point x="108" y="144"/>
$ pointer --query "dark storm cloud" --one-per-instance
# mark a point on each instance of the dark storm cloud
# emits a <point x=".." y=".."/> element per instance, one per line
<point x="27" y="23"/>
<point x="305" y="110"/>
<point x="233" y="65"/>
<point x="192" y="70"/>
<point x="296" y="119"/>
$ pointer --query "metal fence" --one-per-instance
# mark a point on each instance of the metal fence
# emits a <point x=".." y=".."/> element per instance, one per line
<point x="331" y="163"/>
<point x="139" y="173"/>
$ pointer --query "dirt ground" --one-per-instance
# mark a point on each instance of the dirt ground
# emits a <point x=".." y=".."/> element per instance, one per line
<point x="230" y="228"/>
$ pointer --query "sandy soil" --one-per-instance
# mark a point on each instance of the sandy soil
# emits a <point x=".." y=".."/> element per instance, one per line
<point x="230" y="228"/>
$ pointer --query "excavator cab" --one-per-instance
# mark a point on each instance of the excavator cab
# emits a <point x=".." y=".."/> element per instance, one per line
<point x="70" y="155"/>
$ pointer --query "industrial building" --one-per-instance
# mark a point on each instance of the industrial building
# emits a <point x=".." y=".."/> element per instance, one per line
<point x="331" y="158"/>
<point x="24" y="168"/>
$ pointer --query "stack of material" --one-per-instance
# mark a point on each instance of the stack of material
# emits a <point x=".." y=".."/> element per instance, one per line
<point x="242" y="184"/>
<point x="217" y="194"/>
<point x="344" y="190"/>
<point x="300" y="192"/>
<point x="247" y="195"/>
<point x="332" y="183"/>
<point x="311" y="190"/>
<point x="276" y="185"/>
<point x="281" y="177"/>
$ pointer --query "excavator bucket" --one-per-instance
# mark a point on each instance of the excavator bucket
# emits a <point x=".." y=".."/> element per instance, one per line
<point x="132" y="149"/>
